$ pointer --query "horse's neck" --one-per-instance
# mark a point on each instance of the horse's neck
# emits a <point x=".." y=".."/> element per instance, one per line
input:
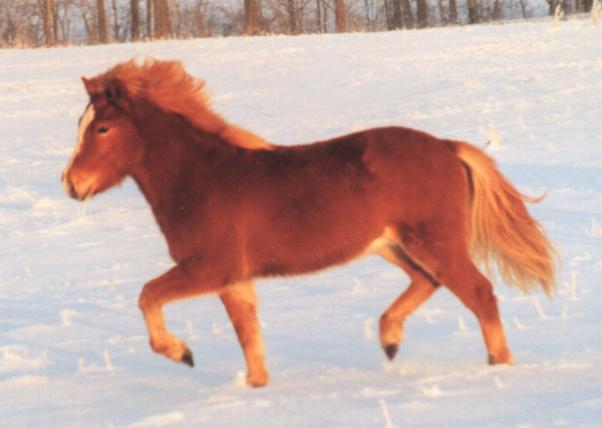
<point x="176" y="158"/>
<point x="157" y="175"/>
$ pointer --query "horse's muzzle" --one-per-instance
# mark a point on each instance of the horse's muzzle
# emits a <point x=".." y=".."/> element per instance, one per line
<point x="69" y="187"/>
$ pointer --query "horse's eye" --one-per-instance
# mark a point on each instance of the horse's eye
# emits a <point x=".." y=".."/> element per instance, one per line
<point x="103" y="130"/>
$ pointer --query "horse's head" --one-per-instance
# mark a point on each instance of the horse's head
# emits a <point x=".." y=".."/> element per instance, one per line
<point x="108" y="144"/>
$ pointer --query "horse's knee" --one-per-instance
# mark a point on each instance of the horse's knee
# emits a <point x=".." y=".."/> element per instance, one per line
<point x="142" y="301"/>
<point x="145" y="300"/>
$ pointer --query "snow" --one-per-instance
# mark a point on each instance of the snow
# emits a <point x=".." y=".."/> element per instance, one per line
<point x="73" y="346"/>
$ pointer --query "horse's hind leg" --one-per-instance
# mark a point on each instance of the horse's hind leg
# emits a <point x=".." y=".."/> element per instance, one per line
<point x="446" y="258"/>
<point x="419" y="290"/>
<point x="240" y="301"/>
<point x="476" y="292"/>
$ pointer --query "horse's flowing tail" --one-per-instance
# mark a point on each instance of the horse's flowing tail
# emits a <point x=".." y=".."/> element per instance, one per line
<point x="501" y="228"/>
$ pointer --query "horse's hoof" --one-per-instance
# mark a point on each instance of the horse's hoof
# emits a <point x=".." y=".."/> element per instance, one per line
<point x="504" y="357"/>
<point x="391" y="351"/>
<point x="258" y="380"/>
<point x="187" y="358"/>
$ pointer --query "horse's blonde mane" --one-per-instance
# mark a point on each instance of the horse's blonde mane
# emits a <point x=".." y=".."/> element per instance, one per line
<point x="168" y="86"/>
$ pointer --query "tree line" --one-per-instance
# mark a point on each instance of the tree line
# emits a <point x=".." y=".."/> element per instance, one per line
<point x="32" y="23"/>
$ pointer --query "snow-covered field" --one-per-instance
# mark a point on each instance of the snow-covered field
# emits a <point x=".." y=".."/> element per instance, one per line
<point x="73" y="346"/>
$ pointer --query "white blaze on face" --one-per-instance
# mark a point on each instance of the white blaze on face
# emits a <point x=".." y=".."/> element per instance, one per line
<point x="84" y="122"/>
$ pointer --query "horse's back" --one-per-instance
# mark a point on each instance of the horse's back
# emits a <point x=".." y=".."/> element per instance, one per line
<point x="420" y="174"/>
<point x="307" y="207"/>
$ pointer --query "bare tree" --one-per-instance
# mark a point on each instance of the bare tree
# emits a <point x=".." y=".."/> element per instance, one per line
<point x="162" y="19"/>
<point x="52" y="22"/>
<point x="102" y="21"/>
<point x="87" y="14"/>
<point x="293" y="16"/>
<point x="135" y="19"/>
<point x="523" y="8"/>
<point x="397" y="14"/>
<point x="324" y="23"/>
<point x="406" y="11"/>
<point x="15" y="24"/>
<point x="116" y="24"/>
<point x="442" y="12"/>
<point x="421" y="13"/>
<point x="473" y="12"/>
<point x="55" y="20"/>
<point x="89" y="25"/>
<point x="63" y="12"/>
<point x="373" y="14"/>
<point x="496" y="13"/>
<point x="251" y="18"/>
<point x="149" y="19"/>
<point x="48" y="23"/>
<point x="340" y="16"/>
<point x="393" y="14"/>
<point x="200" y="16"/>
<point x="453" y="12"/>
<point x="319" y="6"/>
<point x="189" y="18"/>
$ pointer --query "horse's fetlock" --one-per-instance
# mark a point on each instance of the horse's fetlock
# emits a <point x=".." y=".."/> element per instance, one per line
<point x="158" y="347"/>
<point x="391" y="330"/>
<point x="258" y="378"/>
<point x="503" y="357"/>
<point x="383" y="319"/>
<point x="384" y="322"/>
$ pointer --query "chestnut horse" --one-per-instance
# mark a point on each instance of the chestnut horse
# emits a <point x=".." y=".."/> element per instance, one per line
<point x="234" y="208"/>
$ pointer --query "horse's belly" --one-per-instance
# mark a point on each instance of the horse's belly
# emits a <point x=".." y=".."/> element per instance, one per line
<point x="310" y="255"/>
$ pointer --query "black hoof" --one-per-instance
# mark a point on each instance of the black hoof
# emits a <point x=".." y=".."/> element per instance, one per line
<point x="187" y="358"/>
<point x="391" y="351"/>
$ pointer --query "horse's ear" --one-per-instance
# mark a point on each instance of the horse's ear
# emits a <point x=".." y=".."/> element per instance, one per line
<point x="92" y="86"/>
<point x="116" y="93"/>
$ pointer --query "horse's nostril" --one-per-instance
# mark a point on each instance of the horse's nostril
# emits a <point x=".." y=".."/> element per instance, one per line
<point x="68" y="186"/>
<point x="71" y="189"/>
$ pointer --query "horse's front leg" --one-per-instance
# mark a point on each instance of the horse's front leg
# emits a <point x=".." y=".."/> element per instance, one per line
<point x="176" y="284"/>
<point x="240" y="301"/>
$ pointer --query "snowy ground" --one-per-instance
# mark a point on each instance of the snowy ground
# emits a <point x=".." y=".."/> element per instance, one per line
<point x="73" y="347"/>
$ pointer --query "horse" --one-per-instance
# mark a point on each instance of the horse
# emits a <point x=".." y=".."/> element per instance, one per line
<point x="234" y="208"/>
